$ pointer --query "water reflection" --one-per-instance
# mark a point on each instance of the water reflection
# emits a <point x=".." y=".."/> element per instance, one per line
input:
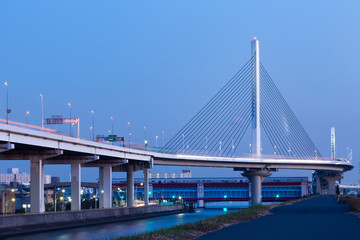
<point x="102" y="231"/>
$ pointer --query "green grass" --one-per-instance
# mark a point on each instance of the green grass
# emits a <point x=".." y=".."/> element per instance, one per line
<point x="196" y="229"/>
<point x="353" y="202"/>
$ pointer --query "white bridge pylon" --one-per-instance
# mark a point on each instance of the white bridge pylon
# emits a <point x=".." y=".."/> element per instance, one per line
<point x="256" y="130"/>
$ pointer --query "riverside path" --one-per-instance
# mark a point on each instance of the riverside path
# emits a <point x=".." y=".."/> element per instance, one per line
<point x="316" y="218"/>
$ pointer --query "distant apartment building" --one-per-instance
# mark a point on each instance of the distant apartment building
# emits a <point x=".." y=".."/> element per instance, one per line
<point x="183" y="174"/>
<point x="13" y="175"/>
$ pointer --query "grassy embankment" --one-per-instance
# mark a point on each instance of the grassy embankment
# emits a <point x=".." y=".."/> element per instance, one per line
<point x="353" y="202"/>
<point x="196" y="229"/>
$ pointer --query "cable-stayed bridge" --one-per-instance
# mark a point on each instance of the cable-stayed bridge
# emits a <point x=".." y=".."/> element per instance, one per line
<point x="213" y="138"/>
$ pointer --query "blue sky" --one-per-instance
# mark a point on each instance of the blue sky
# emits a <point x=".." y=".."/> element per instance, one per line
<point x="156" y="63"/>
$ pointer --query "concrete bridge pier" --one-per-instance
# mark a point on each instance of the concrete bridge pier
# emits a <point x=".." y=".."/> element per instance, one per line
<point x="325" y="182"/>
<point x="105" y="186"/>
<point x="146" y="186"/>
<point x="37" y="186"/>
<point x="130" y="186"/>
<point x="130" y="167"/>
<point x="76" y="186"/>
<point x="200" y="195"/>
<point x="256" y="177"/>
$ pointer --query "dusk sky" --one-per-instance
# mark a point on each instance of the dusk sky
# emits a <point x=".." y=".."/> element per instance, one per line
<point x="156" y="63"/>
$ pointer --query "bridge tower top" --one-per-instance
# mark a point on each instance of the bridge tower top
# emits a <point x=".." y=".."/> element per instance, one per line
<point x="333" y="153"/>
<point x="256" y="133"/>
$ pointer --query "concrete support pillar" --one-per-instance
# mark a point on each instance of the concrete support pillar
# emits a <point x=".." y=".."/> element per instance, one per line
<point x="130" y="187"/>
<point x="318" y="186"/>
<point x="331" y="185"/>
<point x="256" y="178"/>
<point x="107" y="181"/>
<point x="325" y="181"/>
<point x="200" y="195"/>
<point x="105" y="187"/>
<point x="42" y="189"/>
<point x="200" y="204"/>
<point x="101" y="187"/>
<point x="36" y="186"/>
<point x="146" y="186"/>
<point x="75" y="186"/>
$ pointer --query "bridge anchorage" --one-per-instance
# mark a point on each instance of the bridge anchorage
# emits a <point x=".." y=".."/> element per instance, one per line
<point x="251" y="97"/>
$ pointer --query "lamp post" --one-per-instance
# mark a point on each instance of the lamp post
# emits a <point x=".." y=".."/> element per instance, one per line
<point x="156" y="139"/>
<point x="145" y="138"/>
<point x="42" y="111"/>
<point x="93" y="125"/>
<point x="7" y="102"/>
<point x="91" y="128"/>
<point x="62" y="199"/>
<point x="27" y="114"/>
<point x="69" y="104"/>
<point x="55" y="200"/>
<point x="129" y="134"/>
<point x="112" y="125"/>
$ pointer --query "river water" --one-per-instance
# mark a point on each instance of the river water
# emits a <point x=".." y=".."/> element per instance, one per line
<point x="103" y="231"/>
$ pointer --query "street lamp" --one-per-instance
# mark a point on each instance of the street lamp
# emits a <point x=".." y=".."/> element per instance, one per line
<point x="145" y="138"/>
<point x="91" y="128"/>
<point x="112" y="125"/>
<point x="93" y="124"/>
<point x="156" y="139"/>
<point x="129" y="134"/>
<point x="55" y="198"/>
<point x="69" y="104"/>
<point x="27" y="114"/>
<point x="42" y="111"/>
<point x="7" y="102"/>
<point x="62" y="203"/>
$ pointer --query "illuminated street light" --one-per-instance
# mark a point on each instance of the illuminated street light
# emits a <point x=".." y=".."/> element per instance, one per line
<point x="146" y="143"/>
<point x="27" y="114"/>
<point x="93" y="124"/>
<point x="7" y="102"/>
<point x="112" y="125"/>
<point x="129" y="134"/>
<point x="69" y="104"/>
<point x="91" y="128"/>
<point x="42" y="111"/>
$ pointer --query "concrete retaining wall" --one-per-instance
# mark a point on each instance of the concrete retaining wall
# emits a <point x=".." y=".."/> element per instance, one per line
<point x="56" y="220"/>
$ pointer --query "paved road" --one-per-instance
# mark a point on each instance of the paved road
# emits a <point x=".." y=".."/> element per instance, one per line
<point x="317" y="218"/>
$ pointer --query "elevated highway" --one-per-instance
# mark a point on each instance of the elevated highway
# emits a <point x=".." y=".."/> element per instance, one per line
<point x="48" y="147"/>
